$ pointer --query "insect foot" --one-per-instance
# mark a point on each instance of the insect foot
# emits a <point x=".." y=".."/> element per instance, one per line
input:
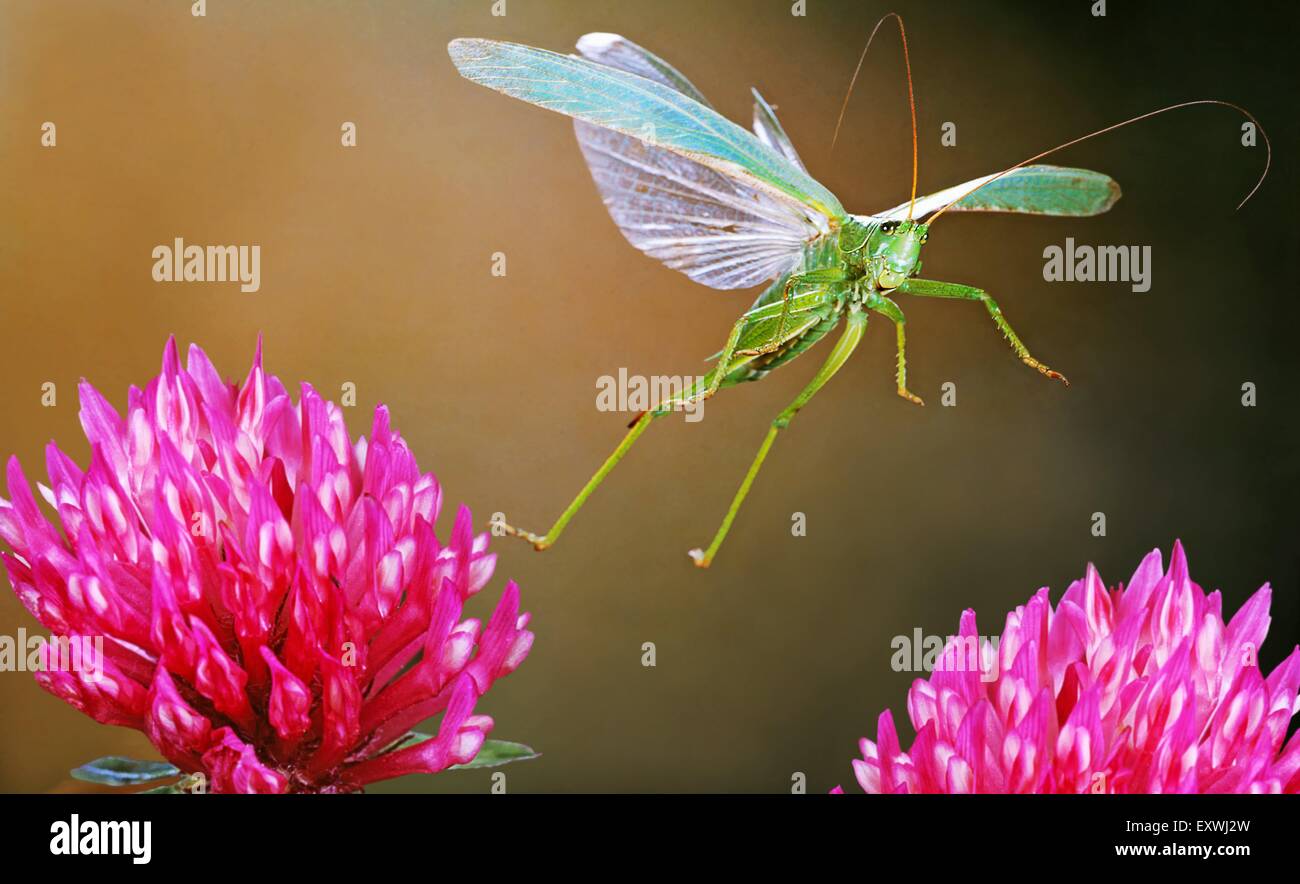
<point x="1043" y="369"/>
<point x="699" y="558"/>
<point x="539" y="542"/>
<point x="910" y="396"/>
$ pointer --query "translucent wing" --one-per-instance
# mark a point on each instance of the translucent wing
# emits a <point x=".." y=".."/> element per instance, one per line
<point x="1031" y="190"/>
<point x="633" y="105"/>
<point x="621" y="53"/>
<point x="717" y="229"/>
<point x="769" y="131"/>
<point x="713" y="228"/>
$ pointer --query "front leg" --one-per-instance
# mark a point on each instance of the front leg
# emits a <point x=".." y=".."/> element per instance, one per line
<point x="929" y="288"/>
<point x="887" y="308"/>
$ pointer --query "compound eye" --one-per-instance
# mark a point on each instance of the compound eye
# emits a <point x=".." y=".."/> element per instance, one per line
<point x="889" y="227"/>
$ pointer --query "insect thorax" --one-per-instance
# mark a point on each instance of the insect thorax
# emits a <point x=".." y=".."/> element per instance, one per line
<point x="853" y="235"/>
<point x="855" y="245"/>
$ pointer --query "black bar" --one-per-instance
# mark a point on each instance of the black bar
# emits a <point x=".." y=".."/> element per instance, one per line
<point x="334" y="833"/>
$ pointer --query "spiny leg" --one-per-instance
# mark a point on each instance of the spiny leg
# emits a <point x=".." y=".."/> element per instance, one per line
<point x="929" y="288"/>
<point x="857" y="323"/>
<point x="812" y="277"/>
<point x="887" y="308"/>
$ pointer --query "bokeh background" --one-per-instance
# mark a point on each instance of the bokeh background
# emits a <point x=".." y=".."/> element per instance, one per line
<point x="376" y="270"/>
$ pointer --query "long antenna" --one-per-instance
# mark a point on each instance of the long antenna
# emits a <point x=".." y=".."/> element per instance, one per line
<point x="1268" y="147"/>
<point x="911" y="98"/>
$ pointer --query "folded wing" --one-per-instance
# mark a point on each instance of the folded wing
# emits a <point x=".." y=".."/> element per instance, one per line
<point x="1030" y="190"/>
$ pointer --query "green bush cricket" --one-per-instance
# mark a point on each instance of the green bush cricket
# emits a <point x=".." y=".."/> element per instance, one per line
<point x="734" y="209"/>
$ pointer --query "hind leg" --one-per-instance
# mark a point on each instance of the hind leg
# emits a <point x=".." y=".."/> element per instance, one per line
<point x="547" y="540"/>
<point x="844" y="348"/>
<point x="799" y="280"/>
<point x="712" y="382"/>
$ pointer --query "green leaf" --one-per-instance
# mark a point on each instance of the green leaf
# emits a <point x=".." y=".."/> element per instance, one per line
<point x="493" y="754"/>
<point x="114" y="770"/>
<point x="498" y="752"/>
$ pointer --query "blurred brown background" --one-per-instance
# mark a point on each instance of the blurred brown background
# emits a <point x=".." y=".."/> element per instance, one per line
<point x="376" y="270"/>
